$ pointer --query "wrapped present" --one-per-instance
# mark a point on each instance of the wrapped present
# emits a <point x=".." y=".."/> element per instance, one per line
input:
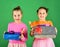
<point x="44" y="31"/>
<point x="12" y="36"/>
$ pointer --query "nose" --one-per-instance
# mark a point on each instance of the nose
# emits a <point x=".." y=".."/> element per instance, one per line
<point x="17" y="17"/>
<point x="41" y="15"/>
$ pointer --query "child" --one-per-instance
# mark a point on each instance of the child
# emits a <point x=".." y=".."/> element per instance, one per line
<point x="42" y="42"/>
<point x="18" y="26"/>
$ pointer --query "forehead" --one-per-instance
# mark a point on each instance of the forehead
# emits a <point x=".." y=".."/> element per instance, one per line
<point x="16" y="12"/>
<point x="42" y="10"/>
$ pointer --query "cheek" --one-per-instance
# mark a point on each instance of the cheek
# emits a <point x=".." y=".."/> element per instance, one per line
<point x="45" y="15"/>
<point x="39" y="15"/>
<point x="20" y="17"/>
<point x="14" y="18"/>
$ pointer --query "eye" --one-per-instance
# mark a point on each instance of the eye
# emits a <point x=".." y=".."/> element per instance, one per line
<point x="14" y="15"/>
<point x="39" y="13"/>
<point x="18" y="15"/>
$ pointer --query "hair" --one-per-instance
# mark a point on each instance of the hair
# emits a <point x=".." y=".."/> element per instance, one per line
<point x="42" y="8"/>
<point x="17" y="9"/>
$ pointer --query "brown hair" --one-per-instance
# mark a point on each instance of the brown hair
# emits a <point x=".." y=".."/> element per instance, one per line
<point x="42" y="8"/>
<point x="17" y="8"/>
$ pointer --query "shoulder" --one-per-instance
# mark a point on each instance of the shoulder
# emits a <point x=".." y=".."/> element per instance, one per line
<point x="34" y="23"/>
<point x="23" y="24"/>
<point x="10" y="23"/>
<point x="50" y="22"/>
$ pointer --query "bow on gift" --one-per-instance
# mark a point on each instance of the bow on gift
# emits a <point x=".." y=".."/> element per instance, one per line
<point x="38" y="30"/>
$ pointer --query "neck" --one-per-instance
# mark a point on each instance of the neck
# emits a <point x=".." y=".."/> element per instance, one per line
<point x="42" y="19"/>
<point x="17" y="21"/>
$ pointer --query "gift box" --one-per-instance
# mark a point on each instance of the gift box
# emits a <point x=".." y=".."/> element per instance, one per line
<point x="12" y="36"/>
<point x="44" y="31"/>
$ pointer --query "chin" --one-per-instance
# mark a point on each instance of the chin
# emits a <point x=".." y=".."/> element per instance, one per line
<point x="42" y="19"/>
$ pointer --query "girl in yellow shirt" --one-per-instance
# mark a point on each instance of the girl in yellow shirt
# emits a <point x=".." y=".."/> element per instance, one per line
<point x="42" y="42"/>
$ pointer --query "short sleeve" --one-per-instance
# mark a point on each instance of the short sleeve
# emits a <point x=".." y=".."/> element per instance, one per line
<point x="50" y="22"/>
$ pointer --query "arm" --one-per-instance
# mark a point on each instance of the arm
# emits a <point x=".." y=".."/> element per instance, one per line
<point x="24" y="35"/>
<point x="32" y="32"/>
<point x="51" y="24"/>
<point x="8" y="27"/>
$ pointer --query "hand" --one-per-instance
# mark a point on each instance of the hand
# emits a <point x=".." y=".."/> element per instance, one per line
<point x="22" y="36"/>
<point x="29" y="22"/>
<point x="22" y="31"/>
<point x="32" y="32"/>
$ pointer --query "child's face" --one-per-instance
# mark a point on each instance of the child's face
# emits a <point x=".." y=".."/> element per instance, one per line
<point x="42" y="14"/>
<point x="17" y="15"/>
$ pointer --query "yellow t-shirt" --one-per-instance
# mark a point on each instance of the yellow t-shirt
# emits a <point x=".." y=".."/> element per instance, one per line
<point x="35" y="23"/>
